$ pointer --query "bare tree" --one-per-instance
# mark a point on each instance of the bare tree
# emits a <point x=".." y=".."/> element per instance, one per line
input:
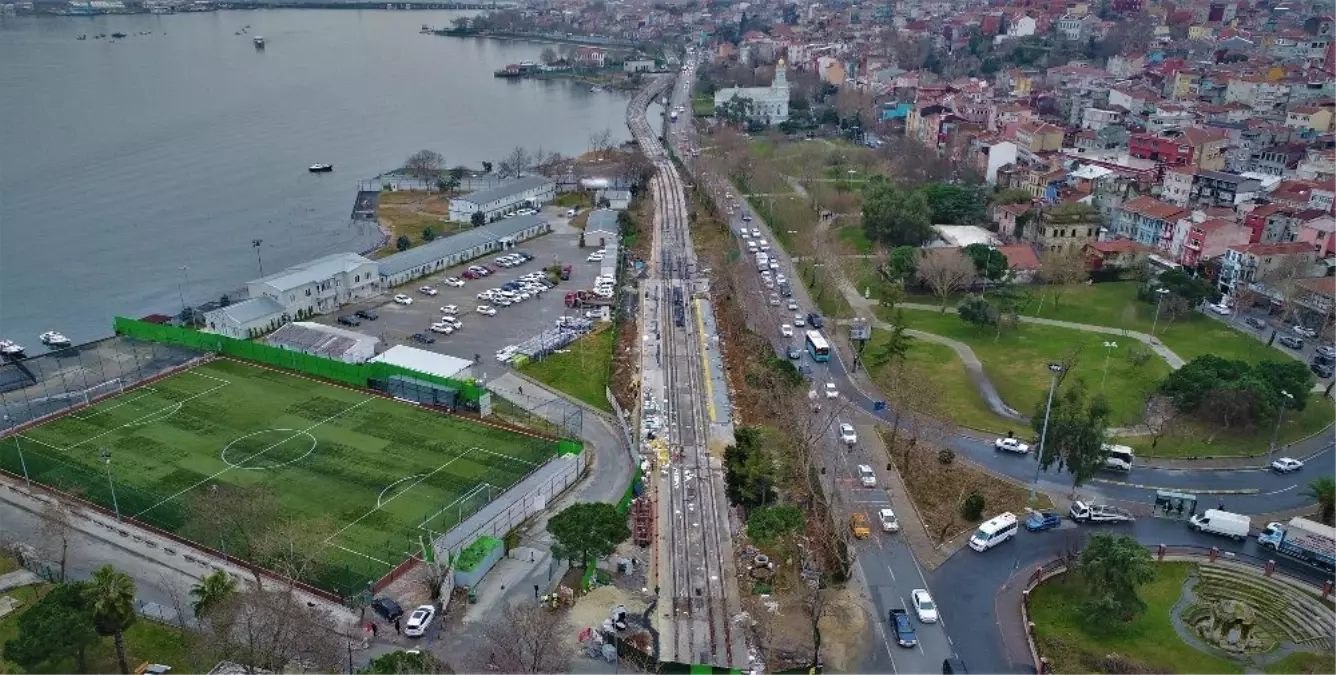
<point x="232" y="517"/>
<point x="1062" y="267"/>
<point x="425" y="165"/>
<point x="1160" y="418"/>
<point x="817" y="605"/>
<point x="548" y="55"/>
<point x="57" y="529"/>
<point x="526" y="639"/>
<point x="600" y="141"/>
<point x="945" y="271"/>
<point x="271" y="629"/>
<point x="1283" y="282"/>
<point x="516" y="163"/>
<point x="293" y="547"/>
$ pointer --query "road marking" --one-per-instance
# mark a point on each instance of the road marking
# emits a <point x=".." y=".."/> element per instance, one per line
<point x="1276" y="492"/>
<point x="1208" y="491"/>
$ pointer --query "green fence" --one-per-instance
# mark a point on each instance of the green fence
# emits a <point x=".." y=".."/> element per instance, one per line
<point x="355" y="374"/>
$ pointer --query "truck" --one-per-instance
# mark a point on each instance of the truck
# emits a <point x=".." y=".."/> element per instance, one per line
<point x="1223" y="523"/>
<point x="1098" y="513"/>
<point x="577" y="299"/>
<point x="565" y="272"/>
<point x="1313" y="543"/>
<point x="904" y="628"/>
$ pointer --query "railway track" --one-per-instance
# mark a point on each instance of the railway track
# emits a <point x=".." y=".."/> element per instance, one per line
<point x="695" y="529"/>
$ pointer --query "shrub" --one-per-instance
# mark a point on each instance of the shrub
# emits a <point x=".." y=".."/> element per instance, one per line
<point x="946" y="456"/>
<point x="972" y="508"/>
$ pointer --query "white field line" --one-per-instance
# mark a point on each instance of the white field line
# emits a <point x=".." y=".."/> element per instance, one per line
<point x="99" y="410"/>
<point x="208" y="377"/>
<point x="360" y="554"/>
<point x="30" y="439"/>
<point x="505" y="456"/>
<point x="275" y="445"/>
<point x="396" y="496"/>
<point x="178" y="405"/>
<point x="476" y="489"/>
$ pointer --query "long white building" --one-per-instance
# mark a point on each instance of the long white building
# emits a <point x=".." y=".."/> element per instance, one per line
<point x="530" y="191"/>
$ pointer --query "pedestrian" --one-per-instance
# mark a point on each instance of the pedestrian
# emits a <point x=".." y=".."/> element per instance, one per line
<point x="397" y="629"/>
<point x="374" y="629"/>
<point x="535" y="591"/>
<point x="521" y="389"/>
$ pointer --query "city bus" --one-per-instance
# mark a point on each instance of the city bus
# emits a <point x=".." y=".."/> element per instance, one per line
<point x="817" y="346"/>
<point x="1118" y="458"/>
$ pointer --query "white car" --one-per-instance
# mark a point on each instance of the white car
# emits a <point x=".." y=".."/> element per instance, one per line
<point x="1011" y="445"/>
<point x="793" y="305"/>
<point x="453" y="321"/>
<point x="487" y="295"/>
<point x="450" y="309"/>
<point x="847" y="433"/>
<point x="594" y="257"/>
<point x="780" y="278"/>
<point x="1220" y="309"/>
<point x="774" y="264"/>
<point x="506" y="354"/>
<point x="889" y="523"/>
<point x="443" y="327"/>
<point x="831" y="391"/>
<point x="799" y="319"/>
<point x="785" y="330"/>
<point x="923" y="605"/>
<point x="428" y="290"/>
<point x="419" y="621"/>
<point x="487" y="309"/>
<point x="454" y="281"/>
<point x="1286" y="465"/>
<point x="503" y="302"/>
<point x="403" y="299"/>
<point x="1304" y="331"/>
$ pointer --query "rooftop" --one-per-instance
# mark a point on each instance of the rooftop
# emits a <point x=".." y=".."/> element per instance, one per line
<point x="422" y="361"/>
<point x="602" y="220"/>
<point x="247" y="311"/>
<point x="1154" y="208"/>
<point x="314" y="338"/>
<point x="1020" y="257"/>
<point x="504" y="190"/>
<point x="311" y="271"/>
<point x="1286" y="248"/>
<point x="964" y="235"/>
<point x="447" y="246"/>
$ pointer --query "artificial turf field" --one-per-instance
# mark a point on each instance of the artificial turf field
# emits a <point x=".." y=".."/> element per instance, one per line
<point x="382" y="472"/>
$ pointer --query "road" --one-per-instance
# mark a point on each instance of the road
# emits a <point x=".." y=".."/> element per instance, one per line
<point x="694" y="543"/>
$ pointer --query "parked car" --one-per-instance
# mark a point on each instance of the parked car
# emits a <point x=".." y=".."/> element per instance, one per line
<point x="1043" y="520"/>
<point x="386" y="608"/>
<point x="1305" y="331"/>
<point x="1011" y="445"/>
<point x="1286" y="465"/>
<point x="1255" y="323"/>
<point x="1326" y="352"/>
<point x="402" y="299"/>
<point x="450" y="309"/>
<point x="428" y="290"/>
<point x="487" y="310"/>
<point x="350" y="320"/>
<point x="368" y="314"/>
<point x="419" y="621"/>
<point x="1222" y="310"/>
<point x="423" y="338"/>
<point x="454" y="281"/>
<point x="923" y="605"/>
<point x="1322" y="370"/>
<point x="1291" y="342"/>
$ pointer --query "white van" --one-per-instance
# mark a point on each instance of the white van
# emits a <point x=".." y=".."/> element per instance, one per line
<point x="1223" y="523"/>
<point x="997" y="530"/>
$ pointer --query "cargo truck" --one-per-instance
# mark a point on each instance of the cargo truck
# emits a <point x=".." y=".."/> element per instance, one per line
<point x="1311" y="542"/>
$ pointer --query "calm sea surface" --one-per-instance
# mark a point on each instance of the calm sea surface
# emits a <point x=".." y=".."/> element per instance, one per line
<point x="121" y="162"/>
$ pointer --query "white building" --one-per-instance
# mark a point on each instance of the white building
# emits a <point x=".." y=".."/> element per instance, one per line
<point x="769" y="104"/>
<point x="1018" y="27"/>
<point x="321" y="285"/>
<point x="1097" y="118"/>
<point x="448" y="251"/>
<point x="327" y="341"/>
<point x="246" y="319"/>
<point x="530" y="191"/>
<point x="618" y="200"/>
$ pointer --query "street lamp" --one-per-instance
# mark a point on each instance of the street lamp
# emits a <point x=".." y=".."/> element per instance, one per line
<point x="1056" y="369"/>
<point x="1110" y="346"/>
<point x="256" y="243"/>
<point x="1161" y="292"/>
<point x="106" y="459"/>
<point x="1280" y="413"/>
<point x="182" y="290"/>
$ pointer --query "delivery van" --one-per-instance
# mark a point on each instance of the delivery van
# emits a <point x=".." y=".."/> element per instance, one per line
<point x="1223" y="523"/>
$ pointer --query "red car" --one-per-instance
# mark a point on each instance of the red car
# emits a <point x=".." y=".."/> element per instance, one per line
<point x="469" y="274"/>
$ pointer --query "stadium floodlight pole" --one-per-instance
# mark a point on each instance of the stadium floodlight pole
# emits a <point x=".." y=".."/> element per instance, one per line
<point x="1056" y="368"/>
<point x="22" y="462"/>
<point x="1161" y="292"/>
<point x="256" y="243"/>
<point x="1110" y="346"/>
<point x="106" y="459"/>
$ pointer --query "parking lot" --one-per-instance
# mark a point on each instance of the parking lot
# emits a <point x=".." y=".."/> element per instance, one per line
<point x="480" y="334"/>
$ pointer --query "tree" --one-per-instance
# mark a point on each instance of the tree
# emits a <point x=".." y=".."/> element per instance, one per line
<point x="269" y="629"/>
<point x="989" y="263"/>
<point x="895" y="217"/>
<point x="1012" y="196"/>
<point x="111" y="597"/>
<point x="768" y="524"/>
<point x="548" y="55"/>
<point x="406" y="662"/>
<point x="749" y="471"/>
<point x="232" y="516"/>
<point x="486" y="167"/>
<point x="585" y="531"/>
<point x="525" y="638"/>
<point x="516" y="163"/>
<point x="600" y="141"/>
<point x="1323" y="491"/>
<point x="897" y="343"/>
<point x="57" y="530"/>
<point x="1236" y="394"/>
<point x="953" y="204"/>
<point x="1159" y="419"/>
<point x="478" y="219"/>
<point x="737" y="110"/>
<point x="403" y="243"/>
<point x="293" y="547"/>
<point x="945" y="271"/>
<point x="1113" y="566"/>
<point x="1179" y="282"/>
<point x="1060" y="268"/>
<point x="1282" y="279"/>
<point x="428" y="233"/>
<point x="972" y="508"/>
<point x="1077" y="431"/>
<point x="58" y="627"/>
<point x="974" y="309"/>
<point x="903" y="264"/>
<point x="425" y="165"/>
<point x="213" y="589"/>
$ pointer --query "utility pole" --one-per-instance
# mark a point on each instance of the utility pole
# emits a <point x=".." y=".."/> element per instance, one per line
<point x="1275" y="433"/>
<point x="1056" y="368"/>
<point x="256" y="243"/>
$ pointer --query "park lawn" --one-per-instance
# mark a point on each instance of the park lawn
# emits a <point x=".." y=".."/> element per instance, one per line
<point x="791" y="220"/>
<point x="581" y="371"/>
<point x="1056" y="610"/>
<point x="1303" y="663"/>
<point x="1016" y="362"/>
<point x="1196" y="439"/>
<point x="702" y="105"/>
<point x="854" y="237"/>
<point x="1115" y="304"/>
<point x="144" y="641"/>
<point x="407" y="213"/>
<point x="931" y="362"/>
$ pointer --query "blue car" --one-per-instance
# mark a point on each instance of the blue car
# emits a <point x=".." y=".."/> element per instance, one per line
<point x="1043" y="520"/>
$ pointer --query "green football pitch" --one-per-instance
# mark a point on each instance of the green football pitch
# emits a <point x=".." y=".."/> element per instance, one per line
<point x="382" y="472"/>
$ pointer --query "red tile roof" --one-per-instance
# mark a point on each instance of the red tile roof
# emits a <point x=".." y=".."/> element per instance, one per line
<point x="1287" y="248"/>
<point x="1154" y="208"/>
<point x="1020" y="257"/>
<point x="1119" y="246"/>
<point x="1320" y="285"/>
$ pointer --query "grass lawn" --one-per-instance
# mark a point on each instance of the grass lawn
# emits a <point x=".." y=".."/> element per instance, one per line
<point x="1195" y="439"/>
<point x="854" y="237"/>
<point x="144" y="641"/>
<point x="581" y="371"/>
<point x="1304" y="663"/>
<point x="791" y="219"/>
<point x="702" y="105"/>
<point x="1017" y="361"/>
<point x="1055" y="609"/>
<point x="408" y="213"/>
<point x="380" y="472"/>
<point x="927" y="361"/>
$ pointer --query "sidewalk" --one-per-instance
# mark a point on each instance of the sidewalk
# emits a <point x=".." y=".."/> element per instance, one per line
<point x="1007" y="610"/>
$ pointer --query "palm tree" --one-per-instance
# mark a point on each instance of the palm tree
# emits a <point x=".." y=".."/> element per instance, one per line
<point x="212" y="590"/>
<point x="112" y="595"/>
<point x="1324" y="491"/>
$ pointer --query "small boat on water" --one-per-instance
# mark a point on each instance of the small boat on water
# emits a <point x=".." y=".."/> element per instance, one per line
<point x="82" y="37"/>
<point x="320" y="168"/>
<point x="118" y="35"/>
<point x="53" y="339"/>
<point x="259" y="42"/>
<point x="10" y="348"/>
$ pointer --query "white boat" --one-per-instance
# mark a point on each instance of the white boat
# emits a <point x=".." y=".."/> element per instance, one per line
<point x="321" y="168"/>
<point x="10" y="348"/>
<point x="259" y="41"/>
<point x="53" y="339"/>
